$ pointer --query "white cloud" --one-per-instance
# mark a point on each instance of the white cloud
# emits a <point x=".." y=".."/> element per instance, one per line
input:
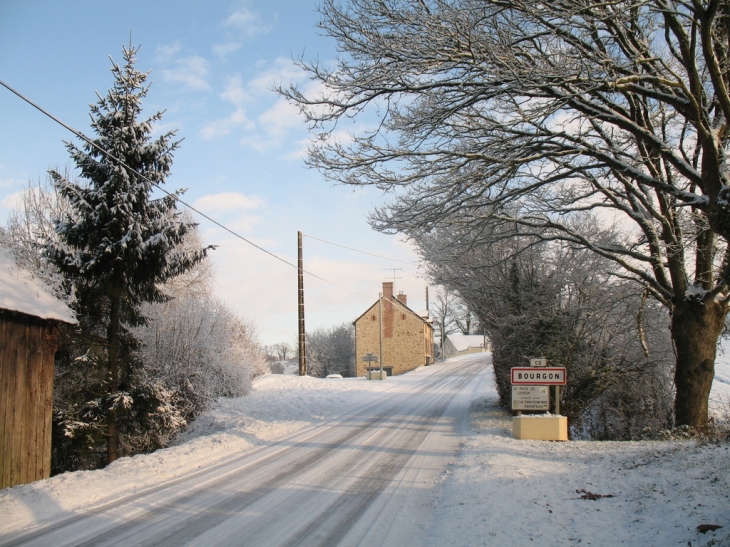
<point x="246" y="21"/>
<point x="218" y="128"/>
<point x="229" y="201"/>
<point x="167" y="52"/>
<point x="11" y="201"/>
<point x="278" y="118"/>
<point x="222" y="50"/>
<point x="282" y="70"/>
<point x="299" y="150"/>
<point x="274" y="125"/>
<point x="235" y="92"/>
<point x="7" y="183"/>
<point x="190" y="71"/>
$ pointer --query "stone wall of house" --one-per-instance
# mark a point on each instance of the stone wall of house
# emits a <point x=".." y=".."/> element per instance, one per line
<point x="406" y="340"/>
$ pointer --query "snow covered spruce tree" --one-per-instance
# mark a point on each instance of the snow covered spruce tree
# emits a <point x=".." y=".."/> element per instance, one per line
<point x="118" y="244"/>
<point x="618" y="108"/>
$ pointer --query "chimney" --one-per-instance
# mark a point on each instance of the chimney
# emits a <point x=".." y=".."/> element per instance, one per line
<point x="403" y="298"/>
<point x="388" y="290"/>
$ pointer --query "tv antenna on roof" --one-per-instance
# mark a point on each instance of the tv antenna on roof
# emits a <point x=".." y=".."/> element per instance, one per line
<point x="394" y="270"/>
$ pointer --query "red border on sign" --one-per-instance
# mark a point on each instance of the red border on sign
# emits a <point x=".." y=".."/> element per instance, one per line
<point x="539" y="381"/>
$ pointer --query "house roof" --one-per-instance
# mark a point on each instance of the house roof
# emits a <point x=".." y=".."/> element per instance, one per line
<point x="463" y="342"/>
<point x="20" y="291"/>
<point x="426" y="320"/>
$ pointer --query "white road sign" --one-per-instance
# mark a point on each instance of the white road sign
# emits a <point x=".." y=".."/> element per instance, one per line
<point x="530" y="398"/>
<point x="548" y="376"/>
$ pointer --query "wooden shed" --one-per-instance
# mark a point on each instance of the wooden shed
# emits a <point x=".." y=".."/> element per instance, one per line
<point x="29" y="320"/>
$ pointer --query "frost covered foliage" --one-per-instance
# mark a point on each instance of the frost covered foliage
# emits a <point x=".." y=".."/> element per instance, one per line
<point x="149" y="412"/>
<point x="331" y="351"/>
<point x="530" y="114"/>
<point x="30" y="229"/>
<point x="192" y="350"/>
<point x="545" y="299"/>
<point x="117" y="246"/>
<point x="200" y="349"/>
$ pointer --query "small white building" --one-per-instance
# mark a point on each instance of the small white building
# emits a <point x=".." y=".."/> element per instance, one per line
<point x="462" y="344"/>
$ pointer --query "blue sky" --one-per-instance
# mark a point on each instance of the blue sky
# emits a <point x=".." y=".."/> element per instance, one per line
<point x="212" y="66"/>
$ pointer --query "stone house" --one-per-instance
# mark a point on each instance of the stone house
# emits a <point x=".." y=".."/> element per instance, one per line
<point x="407" y="335"/>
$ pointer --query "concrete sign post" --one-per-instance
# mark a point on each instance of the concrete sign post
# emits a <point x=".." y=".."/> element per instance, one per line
<point x="531" y="391"/>
<point x="374" y="374"/>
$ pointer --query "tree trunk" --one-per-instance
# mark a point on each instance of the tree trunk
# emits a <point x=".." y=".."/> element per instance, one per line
<point x="696" y="327"/>
<point x="112" y="445"/>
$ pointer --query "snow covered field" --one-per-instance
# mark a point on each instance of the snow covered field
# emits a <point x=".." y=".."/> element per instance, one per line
<point x="495" y="490"/>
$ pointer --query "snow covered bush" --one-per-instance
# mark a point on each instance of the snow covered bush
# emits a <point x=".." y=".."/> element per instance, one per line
<point x="30" y="228"/>
<point x="331" y="351"/>
<point x="545" y="299"/>
<point x="198" y="347"/>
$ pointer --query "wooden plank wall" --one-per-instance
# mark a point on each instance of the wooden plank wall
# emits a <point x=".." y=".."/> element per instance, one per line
<point x="27" y="349"/>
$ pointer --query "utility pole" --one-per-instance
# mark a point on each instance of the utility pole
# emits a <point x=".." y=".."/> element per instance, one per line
<point x="302" y="338"/>
<point x="380" y="314"/>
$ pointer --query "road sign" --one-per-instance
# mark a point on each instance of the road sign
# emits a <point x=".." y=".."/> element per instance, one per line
<point x="370" y="358"/>
<point x="538" y="362"/>
<point x="530" y="398"/>
<point x="548" y="376"/>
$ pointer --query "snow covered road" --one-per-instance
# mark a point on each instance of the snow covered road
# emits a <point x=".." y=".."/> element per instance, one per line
<point x="366" y="478"/>
<point x="425" y="459"/>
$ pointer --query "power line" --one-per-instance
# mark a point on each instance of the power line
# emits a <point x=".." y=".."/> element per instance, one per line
<point x="177" y="198"/>
<point x="121" y="162"/>
<point x="359" y="251"/>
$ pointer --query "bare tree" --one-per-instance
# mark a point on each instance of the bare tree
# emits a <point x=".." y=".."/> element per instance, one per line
<point x="444" y="311"/>
<point x="282" y="350"/>
<point x="530" y="113"/>
<point x="30" y="228"/>
<point x="546" y="299"/>
<point x="331" y="351"/>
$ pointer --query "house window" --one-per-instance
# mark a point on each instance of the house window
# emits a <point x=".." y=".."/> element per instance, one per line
<point x="373" y="318"/>
<point x="403" y="316"/>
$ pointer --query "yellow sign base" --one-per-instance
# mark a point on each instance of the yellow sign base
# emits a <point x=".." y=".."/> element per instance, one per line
<point x="540" y="428"/>
<point x="376" y="375"/>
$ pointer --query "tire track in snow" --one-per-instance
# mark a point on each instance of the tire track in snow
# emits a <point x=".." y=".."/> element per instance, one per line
<point x="245" y="499"/>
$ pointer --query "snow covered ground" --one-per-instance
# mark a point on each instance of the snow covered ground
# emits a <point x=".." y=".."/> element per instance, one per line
<point x="495" y="491"/>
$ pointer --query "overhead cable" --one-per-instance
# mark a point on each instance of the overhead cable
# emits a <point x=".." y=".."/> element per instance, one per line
<point x="359" y="251"/>
<point x="121" y="162"/>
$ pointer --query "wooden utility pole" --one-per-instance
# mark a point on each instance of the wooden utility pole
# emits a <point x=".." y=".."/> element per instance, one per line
<point x="302" y="338"/>
<point x="380" y="314"/>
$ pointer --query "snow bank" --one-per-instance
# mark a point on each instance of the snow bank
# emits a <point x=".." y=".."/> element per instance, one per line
<point x="497" y="491"/>
<point x="502" y="491"/>
<point x="279" y="405"/>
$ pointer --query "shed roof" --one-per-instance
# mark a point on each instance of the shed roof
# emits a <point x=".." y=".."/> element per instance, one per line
<point x="20" y="291"/>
